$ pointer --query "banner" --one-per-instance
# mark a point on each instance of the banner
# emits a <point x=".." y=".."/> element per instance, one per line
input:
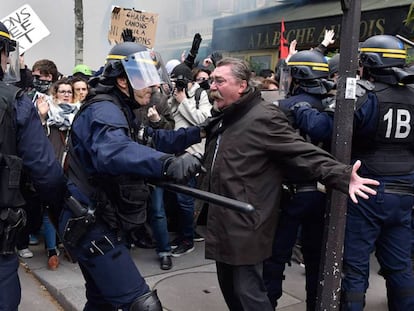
<point x="142" y="24"/>
<point x="25" y="27"/>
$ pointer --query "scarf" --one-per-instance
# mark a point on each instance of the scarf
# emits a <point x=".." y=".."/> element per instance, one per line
<point x="61" y="115"/>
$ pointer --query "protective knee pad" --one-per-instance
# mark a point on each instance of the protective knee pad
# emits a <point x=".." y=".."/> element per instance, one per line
<point x="147" y="302"/>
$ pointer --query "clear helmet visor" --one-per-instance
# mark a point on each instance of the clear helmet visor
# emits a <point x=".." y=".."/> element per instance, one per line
<point x="145" y="69"/>
<point x="285" y="80"/>
<point x="12" y="72"/>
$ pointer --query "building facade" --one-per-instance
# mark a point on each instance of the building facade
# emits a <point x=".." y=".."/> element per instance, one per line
<point x="255" y="36"/>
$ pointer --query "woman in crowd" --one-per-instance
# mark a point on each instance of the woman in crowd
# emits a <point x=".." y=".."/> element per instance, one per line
<point x="56" y="113"/>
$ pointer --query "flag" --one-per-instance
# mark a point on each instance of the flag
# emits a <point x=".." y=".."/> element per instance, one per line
<point x="284" y="47"/>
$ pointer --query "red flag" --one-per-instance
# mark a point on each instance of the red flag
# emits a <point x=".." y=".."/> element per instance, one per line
<point x="284" y="47"/>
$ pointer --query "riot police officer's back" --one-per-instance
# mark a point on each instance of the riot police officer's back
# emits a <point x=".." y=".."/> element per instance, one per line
<point x="383" y="140"/>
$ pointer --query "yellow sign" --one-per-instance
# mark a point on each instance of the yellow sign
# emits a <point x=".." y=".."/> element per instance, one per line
<point x="143" y="26"/>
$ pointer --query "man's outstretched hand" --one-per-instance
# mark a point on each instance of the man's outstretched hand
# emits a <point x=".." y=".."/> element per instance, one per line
<point x="358" y="185"/>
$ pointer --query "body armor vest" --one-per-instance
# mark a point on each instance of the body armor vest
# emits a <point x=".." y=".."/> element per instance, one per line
<point x="10" y="164"/>
<point x="120" y="201"/>
<point x="388" y="147"/>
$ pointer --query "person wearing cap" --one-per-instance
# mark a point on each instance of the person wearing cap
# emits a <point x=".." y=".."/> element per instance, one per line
<point x="83" y="71"/>
<point x="170" y="65"/>
<point x="23" y="146"/>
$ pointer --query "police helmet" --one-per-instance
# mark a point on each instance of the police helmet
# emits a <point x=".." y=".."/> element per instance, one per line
<point x="382" y="51"/>
<point x="142" y="67"/>
<point x="6" y="41"/>
<point x="308" y="65"/>
<point x="113" y="66"/>
<point x="333" y="65"/>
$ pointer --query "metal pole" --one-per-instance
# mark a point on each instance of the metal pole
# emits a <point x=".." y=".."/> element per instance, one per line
<point x="335" y="220"/>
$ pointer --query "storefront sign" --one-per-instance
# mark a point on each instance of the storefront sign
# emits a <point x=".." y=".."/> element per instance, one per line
<point x="309" y="33"/>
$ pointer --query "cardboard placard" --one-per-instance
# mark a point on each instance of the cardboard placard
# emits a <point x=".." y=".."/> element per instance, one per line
<point x="142" y="24"/>
<point x="25" y="27"/>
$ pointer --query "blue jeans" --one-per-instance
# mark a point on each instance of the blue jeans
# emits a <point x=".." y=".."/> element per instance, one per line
<point x="186" y="213"/>
<point x="49" y="232"/>
<point x="159" y="222"/>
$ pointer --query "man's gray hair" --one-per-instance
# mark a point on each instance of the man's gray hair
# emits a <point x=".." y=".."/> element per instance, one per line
<point x="240" y="69"/>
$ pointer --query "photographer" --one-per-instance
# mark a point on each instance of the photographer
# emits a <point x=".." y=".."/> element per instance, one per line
<point x="187" y="112"/>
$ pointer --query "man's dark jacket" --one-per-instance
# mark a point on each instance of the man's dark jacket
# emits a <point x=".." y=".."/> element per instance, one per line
<point x="256" y="146"/>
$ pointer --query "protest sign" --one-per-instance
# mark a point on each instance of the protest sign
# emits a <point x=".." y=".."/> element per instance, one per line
<point x="25" y="27"/>
<point x="142" y="24"/>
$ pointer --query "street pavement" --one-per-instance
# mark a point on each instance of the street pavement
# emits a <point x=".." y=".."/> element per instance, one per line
<point x="191" y="285"/>
<point x="35" y="296"/>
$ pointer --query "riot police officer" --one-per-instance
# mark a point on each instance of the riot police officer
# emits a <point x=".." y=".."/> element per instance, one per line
<point x="109" y="165"/>
<point x="23" y="145"/>
<point x="304" y="205"/>
<point x="383" y="139"/>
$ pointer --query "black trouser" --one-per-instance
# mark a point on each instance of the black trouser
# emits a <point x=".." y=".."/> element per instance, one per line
<point x="243" y="287"/>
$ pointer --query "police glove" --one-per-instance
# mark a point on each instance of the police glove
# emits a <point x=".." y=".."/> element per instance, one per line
<point x="181" y="168"/>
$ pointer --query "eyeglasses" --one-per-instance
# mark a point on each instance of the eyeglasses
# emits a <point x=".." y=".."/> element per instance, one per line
<point x="65" y="92"/>
<point x="217" y="81"/>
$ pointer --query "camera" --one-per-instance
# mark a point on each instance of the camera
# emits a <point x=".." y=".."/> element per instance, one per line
<point x="181" y="83"/>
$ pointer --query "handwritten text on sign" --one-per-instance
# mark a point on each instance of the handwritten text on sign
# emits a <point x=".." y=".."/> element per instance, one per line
<point x="25" y="27"/>
<point x="142" y="24"/>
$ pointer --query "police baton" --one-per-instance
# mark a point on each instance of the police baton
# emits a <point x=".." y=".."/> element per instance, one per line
<point x="207" y="197"/>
